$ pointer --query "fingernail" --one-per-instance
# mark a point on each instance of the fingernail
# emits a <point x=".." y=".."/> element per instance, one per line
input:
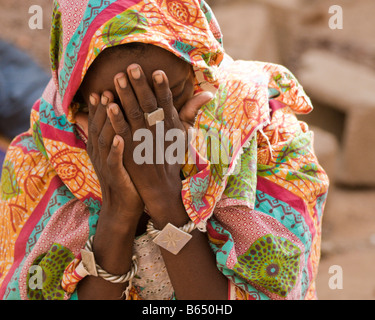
<point x="136" y="73"/>
<point x="121" y="82"/>
<point x="114" y="109"/>
<point x="105" y="100"/>
<point x="116" y="141"/>
<point x="158" y="77"/>
<point x="93" y="100"/>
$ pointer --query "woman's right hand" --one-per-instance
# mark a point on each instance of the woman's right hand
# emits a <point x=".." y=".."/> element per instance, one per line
<point x="121" y="205"/>
<point x="120" y="198"/>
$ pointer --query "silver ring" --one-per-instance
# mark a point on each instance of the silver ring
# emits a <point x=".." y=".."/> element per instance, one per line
<point x="153" y="117"/>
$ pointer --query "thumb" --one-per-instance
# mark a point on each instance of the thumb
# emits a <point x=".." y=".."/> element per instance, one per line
<point x="190" y="110"/>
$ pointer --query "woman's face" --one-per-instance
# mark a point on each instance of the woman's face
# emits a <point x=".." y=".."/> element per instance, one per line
<point x="100" y="76"/>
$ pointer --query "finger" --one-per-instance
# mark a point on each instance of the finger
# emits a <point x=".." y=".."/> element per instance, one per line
<point x="142" y="90"/>
<point x="190" y="110"/>
<point x="118" y="122"/>
<point x="97" y="120"/>
<point x="163" y="93"/>
<point x="93" y="104"/>
<point x="115" y="161"/>
<point x="133" y="112"/>
<point x="105" y="139"/>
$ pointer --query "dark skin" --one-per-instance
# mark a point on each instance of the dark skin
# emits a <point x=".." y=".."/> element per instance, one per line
<point x="118" y="90"/>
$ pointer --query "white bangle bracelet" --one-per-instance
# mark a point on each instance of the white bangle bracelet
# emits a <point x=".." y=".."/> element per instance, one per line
<point x="95" y="270"/>
<point x="171" y="238"/>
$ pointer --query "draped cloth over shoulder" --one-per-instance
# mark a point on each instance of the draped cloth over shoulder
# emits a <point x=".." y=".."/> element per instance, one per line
<point x="260" y="202"/>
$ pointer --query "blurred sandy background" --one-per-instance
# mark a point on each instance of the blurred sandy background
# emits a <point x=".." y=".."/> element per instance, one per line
<point x="336" y="68"/>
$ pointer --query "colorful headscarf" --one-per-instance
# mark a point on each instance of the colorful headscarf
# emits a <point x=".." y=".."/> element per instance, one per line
<point x="50" y="196"/>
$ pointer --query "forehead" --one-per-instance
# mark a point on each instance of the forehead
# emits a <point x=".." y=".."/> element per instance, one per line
<point x="151" y="58"/>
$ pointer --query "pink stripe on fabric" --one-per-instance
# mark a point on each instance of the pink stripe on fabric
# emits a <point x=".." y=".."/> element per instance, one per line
<point x="20" y="245"/>
<point x="286" y="196"/>
<point x="275" y="105"/>
<point x="68" y="226"/>
<point x="104" y="16"/>
<point x="281" y="193"/>
<point x="55" y="134"/>
<point x="294" y="201"/>
<point x="36" y="105"/>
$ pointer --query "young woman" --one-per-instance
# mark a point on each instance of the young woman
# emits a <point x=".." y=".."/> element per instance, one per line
<point x="97" y="201"/>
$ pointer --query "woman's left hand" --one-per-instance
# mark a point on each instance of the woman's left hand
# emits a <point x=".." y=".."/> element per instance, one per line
<point x="158" y="180"/>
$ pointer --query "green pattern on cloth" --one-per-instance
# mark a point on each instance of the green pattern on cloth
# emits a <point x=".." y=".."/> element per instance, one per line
<point x="9" y="186"/>
<point x="298" y="147"/>
<point x="272" y="263"/>
<point x="37" y="135"/>
<point x="124" y="24"/>
<point x="56" y="43"/>
<point x="242" y="185"/>
<point x="52" y="265"/>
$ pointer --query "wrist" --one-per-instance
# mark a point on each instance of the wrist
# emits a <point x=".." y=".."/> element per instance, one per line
<point x="119" y="220"/>
<point x="113" y="243"/>
<point x="172" y="212"/>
